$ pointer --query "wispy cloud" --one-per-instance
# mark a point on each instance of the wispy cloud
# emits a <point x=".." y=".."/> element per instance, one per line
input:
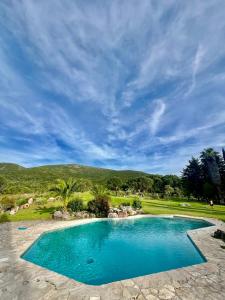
<point x="156" y="116"/>
<point x="118" y="84"/>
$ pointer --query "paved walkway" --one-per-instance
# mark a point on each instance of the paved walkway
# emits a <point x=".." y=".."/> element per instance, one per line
<point x="21" y="280"/>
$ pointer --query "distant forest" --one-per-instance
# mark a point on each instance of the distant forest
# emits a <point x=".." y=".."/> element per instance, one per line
<point x="202" y="179"/>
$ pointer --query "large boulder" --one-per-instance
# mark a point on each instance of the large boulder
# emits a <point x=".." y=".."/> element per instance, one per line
<point x="122" y="214"/>
<point x="24" y="206"/>
<point x="82" y="214"/>
<point x="57" y="215"/>
<point x="132" y="212"/>
<point x="30" y="201"/>
<point x="13" y="211"/>
<point x="61" y="215"/>
<point x="112" y="215"/>
<point x="116" y="210"/>
<point x="91" y="215"/>
<point x="66" y="216"/>
<point x="129" y="210"/>
<point x="111" y="209"/>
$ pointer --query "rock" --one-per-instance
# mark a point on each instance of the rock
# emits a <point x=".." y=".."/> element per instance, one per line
<point x="111" y="210"/>
<point x="122" y="214"/>
<point x="51" y="199"/>
<point x="57" y="215"/>
<point x="66" y="216"/>
<point x="185" y="204"/>
<point x="139" y="211"/>
<point x="12" y="211"/>
<point x="116" y="210"/>
<point x="91" y="215"/>
<point x="112" y="215"/>
<point x="30" y="201"/>
<point x="61" y="215"/>
<point x="131" y="211"/>
<point x="24" y="206"/>
<point x="82" y="214"/>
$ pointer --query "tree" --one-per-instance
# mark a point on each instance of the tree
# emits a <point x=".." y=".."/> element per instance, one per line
<point x="140" y="184"/>
<point x="114" y="184"/>
<point x="100" y="204"/>
<point x="209" y="160"/>
<point x="99" y="190"/>
<point x="83" y="185"/>
<point x="3" y="184"/>
<point x="64" y="189"/>
<point x="168" y="191"/>
<point x="223" y="152"/>
<point x="192" y="178"/>
<point x="158" y="184"/>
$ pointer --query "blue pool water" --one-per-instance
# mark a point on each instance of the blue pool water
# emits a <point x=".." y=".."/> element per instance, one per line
<point x="111" y="250"/>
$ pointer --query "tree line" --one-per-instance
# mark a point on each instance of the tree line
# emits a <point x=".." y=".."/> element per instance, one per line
<point x="203" y="179"/>
<point x="156" y="185"/>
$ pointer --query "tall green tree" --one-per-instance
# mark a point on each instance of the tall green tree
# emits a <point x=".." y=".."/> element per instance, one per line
<point x="168" y="190"/>
<point x="99" y="191"/>
<point x="192" y="178"/>
<point x="140" y="184"/>
<point x="211" y="172"/>
<point x="114" y="184"/>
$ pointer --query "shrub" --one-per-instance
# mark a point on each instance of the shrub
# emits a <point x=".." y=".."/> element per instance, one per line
<point x="3" y="184"/>
<point x="41" y="201"/>
<point x="4" y="218"/>
<point x="99" y="206"/>
<point x="21" y="201"/>
<point x="125" y="203"/>
<point x="75" y="205"/>
<point x="137" y="204"/>
<point x="7" y="203"/>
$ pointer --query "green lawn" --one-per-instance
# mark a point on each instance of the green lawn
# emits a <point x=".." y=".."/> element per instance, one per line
<point x="44" y="212"/>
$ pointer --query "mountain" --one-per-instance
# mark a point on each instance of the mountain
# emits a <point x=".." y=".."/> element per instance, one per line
<point x="23" y="179"/>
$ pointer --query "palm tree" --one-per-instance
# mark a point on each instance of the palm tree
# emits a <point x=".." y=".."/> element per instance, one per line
<point x="64" y="189"/>
<point x="98" y="191"/>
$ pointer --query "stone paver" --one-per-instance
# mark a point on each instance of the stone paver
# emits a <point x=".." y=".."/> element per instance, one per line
<point x="20" y="279"/>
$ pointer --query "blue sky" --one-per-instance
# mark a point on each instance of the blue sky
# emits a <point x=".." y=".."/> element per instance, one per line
<point x="117" y="84"/>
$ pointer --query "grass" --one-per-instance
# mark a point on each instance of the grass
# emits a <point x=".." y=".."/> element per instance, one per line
<point x="150" y="206"/>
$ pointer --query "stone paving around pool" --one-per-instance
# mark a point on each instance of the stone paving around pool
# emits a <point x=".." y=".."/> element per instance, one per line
<point x="23" y="280"/>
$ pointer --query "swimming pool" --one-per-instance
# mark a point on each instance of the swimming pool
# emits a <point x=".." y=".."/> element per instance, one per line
<point x="111" y="250"/>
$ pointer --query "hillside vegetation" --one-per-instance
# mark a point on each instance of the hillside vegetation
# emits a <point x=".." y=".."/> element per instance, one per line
<point x="38" y="179"/>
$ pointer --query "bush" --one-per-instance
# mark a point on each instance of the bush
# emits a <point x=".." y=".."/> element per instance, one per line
<point x="4" y="218"/>
<point x="41" y="201"/>
<point x="75" y="205"/>
<point x="3" y="184"/>
<point x="137" y="204"/>
<point x="99" y="206"/>
<point x="125" y="203"/>
<point x="7" y="203"/>
<point x="21" y="201"/>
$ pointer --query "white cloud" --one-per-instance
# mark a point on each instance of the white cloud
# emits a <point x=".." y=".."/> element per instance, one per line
<point x="156" y="116"/>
